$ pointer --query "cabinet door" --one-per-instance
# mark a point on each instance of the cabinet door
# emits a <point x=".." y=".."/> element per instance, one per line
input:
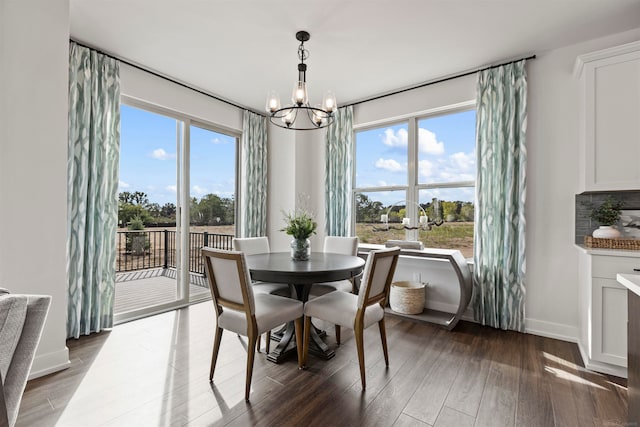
<point x="609" y="322"/>
<point x="612" y="119"/>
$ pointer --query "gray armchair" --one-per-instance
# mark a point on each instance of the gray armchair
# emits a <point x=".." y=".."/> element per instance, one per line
<point x="22" y="319"/>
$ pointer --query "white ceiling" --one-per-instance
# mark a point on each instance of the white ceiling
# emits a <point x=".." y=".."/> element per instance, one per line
<point x="241" y="49"/>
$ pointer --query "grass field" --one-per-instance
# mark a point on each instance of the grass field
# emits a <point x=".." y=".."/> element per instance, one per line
<point x="450" y="235"/>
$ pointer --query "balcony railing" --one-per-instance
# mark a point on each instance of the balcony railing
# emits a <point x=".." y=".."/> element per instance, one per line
<point x="145" y="249"/>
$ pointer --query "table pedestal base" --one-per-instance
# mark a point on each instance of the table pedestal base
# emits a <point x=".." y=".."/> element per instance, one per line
<point x="287" y="336"/>
<point x="288" y="344"/>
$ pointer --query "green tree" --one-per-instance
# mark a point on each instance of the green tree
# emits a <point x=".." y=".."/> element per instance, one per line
<point x="154" y="210"/>
<point x="168" y="210"/>
<point x="367" y="210"/>
<point x="467" y="211"/>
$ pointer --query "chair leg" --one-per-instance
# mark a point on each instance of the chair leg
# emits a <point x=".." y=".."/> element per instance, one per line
<point x="307" y="333"/>
<point x="216" y="349"/>
<point x="267" y="345"/>
<point x="359" y="334"/>
<point x="251" y="352"/>
<point x="338" y="334"/>
<point x="299" y="345"/>
<point x="259" y="343"/>
<point x="383" y="338"/>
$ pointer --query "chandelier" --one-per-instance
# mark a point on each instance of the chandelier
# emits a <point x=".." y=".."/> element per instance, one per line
<point x="301" y="115"/>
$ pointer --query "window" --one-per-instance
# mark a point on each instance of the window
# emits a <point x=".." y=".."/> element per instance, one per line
<point x="415" y="180"/>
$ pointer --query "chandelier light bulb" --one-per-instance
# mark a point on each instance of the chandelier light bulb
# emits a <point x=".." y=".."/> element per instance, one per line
<point x="289" y="117"/>
<point x="273" y="102"/>
<point x="329" y="102"/>
<point x="299" y="97"/>
<point x="318" y="116"/>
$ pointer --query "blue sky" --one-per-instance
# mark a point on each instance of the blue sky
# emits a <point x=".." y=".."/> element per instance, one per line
<point x="446" y="154"/>
<point x="148" y="158"/>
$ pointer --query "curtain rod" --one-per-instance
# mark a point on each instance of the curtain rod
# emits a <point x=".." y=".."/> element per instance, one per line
<point x="155" y="73"/>
<point x="172" y="80"/>
<point x="455" y="76"/>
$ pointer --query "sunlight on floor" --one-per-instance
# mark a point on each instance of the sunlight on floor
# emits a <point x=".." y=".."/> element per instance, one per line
<point x="563" y="374"/>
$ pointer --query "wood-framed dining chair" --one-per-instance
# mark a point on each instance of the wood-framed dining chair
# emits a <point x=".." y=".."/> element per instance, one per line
<point x="241" y="311"/>
<point x="260" y="245"/>
<point x="360" y="311"/>
<point x="337" y="245"/>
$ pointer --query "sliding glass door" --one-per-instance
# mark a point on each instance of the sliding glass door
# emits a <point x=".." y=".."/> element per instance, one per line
<point x="176" y="194"/>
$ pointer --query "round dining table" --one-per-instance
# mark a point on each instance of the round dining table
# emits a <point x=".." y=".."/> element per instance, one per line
<point x="278" y="267"/>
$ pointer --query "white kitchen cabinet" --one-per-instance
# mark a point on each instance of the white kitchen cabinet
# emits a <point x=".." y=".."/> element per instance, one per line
<point x="610" y="118"/>
<point x="603" y="338"/>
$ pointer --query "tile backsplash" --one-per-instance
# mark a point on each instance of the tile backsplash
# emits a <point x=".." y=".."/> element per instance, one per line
<point x="584" y="224"/>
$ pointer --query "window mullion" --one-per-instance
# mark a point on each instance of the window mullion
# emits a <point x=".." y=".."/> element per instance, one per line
<point x="412" y="178"/>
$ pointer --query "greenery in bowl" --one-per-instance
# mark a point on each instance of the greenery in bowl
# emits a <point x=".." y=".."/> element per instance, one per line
<point x="299" y="224"/>
<point x="608" y="213"/>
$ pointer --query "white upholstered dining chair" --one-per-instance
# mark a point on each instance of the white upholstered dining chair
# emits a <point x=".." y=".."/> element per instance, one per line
<point x="360" y="311"/>
<point x="336" y="245"/>
<point x="241" y="311"/>
<point x="260" y="245"/>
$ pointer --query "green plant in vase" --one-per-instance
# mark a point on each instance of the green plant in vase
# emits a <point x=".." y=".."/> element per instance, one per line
<point x="300" y="225"/>
<point x="607" y="215"/>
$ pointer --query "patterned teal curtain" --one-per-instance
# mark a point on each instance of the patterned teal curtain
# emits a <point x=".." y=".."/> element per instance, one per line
<point x="338" y="173"/>
<point x="92" y="185"/>
<point x="499" y="243"/>
<point x="254" y="184"/>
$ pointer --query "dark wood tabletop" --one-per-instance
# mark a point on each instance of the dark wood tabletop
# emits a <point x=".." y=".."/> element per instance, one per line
<point x="321" y="267"/>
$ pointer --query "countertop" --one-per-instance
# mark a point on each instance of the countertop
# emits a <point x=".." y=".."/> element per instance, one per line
<point x="609" y="252"/>
<point x="630" y="281"/>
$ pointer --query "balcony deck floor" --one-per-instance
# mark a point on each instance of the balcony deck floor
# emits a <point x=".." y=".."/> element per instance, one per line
<point x="145" y="288"/>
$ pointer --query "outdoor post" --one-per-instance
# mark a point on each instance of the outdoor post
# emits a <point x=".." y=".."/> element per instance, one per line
<point x="205" y="244"/>
<point x="166" y="249"/>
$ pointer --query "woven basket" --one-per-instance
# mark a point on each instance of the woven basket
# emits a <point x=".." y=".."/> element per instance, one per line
<point x="628" y="244"/>
<point x="407" y="297"/>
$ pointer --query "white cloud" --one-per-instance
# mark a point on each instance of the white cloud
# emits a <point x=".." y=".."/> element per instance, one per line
<point x="122" y="185"/>
<point x="200" y="191"/>
<point x="463" y="161"/>
<point x="160" y="154"/>
<point x="217" y="141"/>
<point x="425" y="168"/>
<point x="172" y="188"/>
<point x="390" y="165"/>
<point x="382" y="183"/>
<point x="398" y="139"/>
<point x="428" y="143"/>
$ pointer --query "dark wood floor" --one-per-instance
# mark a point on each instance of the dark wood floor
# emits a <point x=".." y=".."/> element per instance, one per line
<point x="154" y="372"/>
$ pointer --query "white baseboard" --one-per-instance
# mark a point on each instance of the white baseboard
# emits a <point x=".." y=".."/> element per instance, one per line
<point x="532" y="326"/>
<point x="602" y="367"/>
<point x="49" y="363"/>
<point x="551" y="330"/>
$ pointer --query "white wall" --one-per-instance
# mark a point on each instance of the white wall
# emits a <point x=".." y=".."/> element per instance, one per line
<point x="553" y="146"/>
<point x="146" y="87"/>
<point x="33" y="162"/>
<point x="296" y="167"/>
<point x="552" y="175"/>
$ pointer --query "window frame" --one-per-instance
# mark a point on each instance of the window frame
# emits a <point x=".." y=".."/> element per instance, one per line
<point x="413" y="187"/>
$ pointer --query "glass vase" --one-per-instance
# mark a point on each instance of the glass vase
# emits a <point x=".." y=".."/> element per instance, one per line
<point x="300" y="249"/>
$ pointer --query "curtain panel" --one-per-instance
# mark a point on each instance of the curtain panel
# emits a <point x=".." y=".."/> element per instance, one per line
<point x="92" y="186"/>
<point x="254" y="185"/>
<point x="499" y="242"/>
<point x="338" y="173"/>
